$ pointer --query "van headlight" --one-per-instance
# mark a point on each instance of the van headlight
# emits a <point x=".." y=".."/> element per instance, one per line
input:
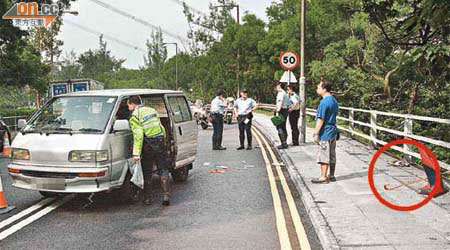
<point x="20" y="154"/>
<point x="88" y="156"/>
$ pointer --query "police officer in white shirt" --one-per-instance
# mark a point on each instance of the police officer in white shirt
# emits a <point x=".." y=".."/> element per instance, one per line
<point x="217" y="109"/>
<point x="243" y="108"/>
<point x="282" y="109"/>
<point x="294" y="113"/>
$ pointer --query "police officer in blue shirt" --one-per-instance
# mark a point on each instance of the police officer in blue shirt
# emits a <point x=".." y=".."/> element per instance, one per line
<point x="243" y="108"/>
<point x="282" y="109"/>
<point x="217" y="109"/>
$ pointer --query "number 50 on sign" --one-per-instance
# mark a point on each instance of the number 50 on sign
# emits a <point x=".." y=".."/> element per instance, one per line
<point x="289" y="60"/>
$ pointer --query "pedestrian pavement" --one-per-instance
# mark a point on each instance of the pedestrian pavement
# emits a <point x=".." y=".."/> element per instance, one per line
<point x="346" y="214"/>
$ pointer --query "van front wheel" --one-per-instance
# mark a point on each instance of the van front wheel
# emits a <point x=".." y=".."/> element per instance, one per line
<point x="128" y="193"/>
<point x="180" y="174"/>
<point x="48" y="194"/>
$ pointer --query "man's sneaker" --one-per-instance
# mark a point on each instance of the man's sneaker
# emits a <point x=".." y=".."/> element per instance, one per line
<point x="321" y="180"/>
<point x="294" y="144"/>
<point x="240" y="148"/>
<point x="249" y="147"/>
<point x="331" y="178"/>
<point x="282" y="146"/>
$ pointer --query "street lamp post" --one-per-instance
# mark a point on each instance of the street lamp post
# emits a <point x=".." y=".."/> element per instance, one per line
<point x="302" y="73"/>
<point x="176" y="64"/>
<point x="238" y="77"/>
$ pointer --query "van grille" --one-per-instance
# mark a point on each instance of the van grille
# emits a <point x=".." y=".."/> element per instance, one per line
<point x="48" y="174"/>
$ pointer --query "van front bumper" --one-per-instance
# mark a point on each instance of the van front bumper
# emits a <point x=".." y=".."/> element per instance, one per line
<point x="60" y="180"/>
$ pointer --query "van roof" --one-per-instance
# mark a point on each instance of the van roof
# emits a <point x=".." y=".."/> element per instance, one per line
<point x="122" y="92"/>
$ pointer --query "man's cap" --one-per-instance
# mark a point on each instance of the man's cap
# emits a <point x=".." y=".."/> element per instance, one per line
<point x="243" y="90"/>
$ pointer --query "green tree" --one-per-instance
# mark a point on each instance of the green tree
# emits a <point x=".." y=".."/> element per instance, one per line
<point x="69" y="67"/>
<point x="157" y="53"/>
<point x="95" y="62"/>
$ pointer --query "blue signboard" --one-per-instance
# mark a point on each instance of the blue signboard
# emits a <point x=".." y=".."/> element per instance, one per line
<point x="80" y="86"/>
<point x="59" y="89"/>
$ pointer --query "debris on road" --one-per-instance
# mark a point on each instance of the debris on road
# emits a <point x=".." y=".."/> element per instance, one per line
<point x="216" y="171"/>
<point x="390" y="187"/>
<point x="206" y="164"/>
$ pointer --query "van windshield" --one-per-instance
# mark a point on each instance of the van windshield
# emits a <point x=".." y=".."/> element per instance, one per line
<point x="86" y="114"/>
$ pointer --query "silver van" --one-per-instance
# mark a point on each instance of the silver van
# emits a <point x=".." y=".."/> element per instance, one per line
<point x="81" y="142"/>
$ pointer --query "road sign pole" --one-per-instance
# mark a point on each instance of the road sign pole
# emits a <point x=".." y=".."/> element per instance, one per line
<point x="289" y="81"/>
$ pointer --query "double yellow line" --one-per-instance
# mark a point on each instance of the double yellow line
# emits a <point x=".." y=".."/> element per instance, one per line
<point x="285" y="242"/>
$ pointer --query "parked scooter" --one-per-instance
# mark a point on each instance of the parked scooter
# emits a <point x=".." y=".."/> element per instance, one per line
<point x="229" y="110"/>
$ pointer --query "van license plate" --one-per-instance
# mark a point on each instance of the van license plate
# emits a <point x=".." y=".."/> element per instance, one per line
<point x="51" y="184"/>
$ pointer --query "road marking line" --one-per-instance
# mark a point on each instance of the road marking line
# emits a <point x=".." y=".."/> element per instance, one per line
<point x="25" y="212"/>
<point x="298" y="224"/>
<point x="283" y="235"/>
<point x="34" y="217"/>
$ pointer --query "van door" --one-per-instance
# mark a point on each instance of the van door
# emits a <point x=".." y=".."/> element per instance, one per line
<point x="185" y="128"/>
<point x="157" y="102"/>
<point x="121" y="143"/>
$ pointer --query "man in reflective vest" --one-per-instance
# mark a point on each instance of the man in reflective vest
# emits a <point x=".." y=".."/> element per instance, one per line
<point x="149" y="139"/>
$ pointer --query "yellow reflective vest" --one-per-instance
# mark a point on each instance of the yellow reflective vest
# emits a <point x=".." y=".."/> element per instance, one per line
<point x="144" y="122"/>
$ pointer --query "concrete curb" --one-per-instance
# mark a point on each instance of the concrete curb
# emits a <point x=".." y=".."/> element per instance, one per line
<point x="320" y="224"/>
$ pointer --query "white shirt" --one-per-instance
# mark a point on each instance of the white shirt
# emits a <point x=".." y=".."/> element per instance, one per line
<point x="282" y="100"/>
<point x="294" y="101"/>
<point x="244" y="106"/>
<point x="218" y="106"/>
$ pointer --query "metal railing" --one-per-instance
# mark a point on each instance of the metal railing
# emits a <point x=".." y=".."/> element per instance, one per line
<point x="374" y="128"/>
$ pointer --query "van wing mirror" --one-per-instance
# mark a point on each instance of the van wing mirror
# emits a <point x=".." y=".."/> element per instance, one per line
<point x="21" y="123"/>
<point x="121" y="125"/>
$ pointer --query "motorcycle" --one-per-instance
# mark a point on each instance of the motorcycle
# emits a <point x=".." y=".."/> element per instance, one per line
<point x="228" y="117"/>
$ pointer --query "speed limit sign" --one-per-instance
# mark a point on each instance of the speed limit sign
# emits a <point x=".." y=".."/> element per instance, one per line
<point x="289" y="60"/>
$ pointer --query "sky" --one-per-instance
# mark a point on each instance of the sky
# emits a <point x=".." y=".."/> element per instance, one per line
<point x="166" y="14"/>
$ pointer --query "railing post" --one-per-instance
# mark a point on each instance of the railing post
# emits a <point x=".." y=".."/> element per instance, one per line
<point x="351" y="117"/>
<point x="408" y="130"/>
<point x="373" y="128"/>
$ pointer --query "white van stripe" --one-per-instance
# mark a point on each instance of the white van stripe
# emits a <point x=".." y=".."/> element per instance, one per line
<point x="25" y="212"/>
<point x="34" y="217"/>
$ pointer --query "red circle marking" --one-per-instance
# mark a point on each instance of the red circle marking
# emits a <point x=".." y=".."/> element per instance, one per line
<point x="296" y="63"/>
<point x="412" y="207"/>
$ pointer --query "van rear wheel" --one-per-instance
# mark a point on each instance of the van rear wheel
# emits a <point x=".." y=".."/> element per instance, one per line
<point x="180" y="174"/>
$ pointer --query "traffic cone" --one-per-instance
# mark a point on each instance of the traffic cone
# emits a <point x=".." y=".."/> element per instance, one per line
<point x="6" y="146"/>
<point x="4" y="208"/>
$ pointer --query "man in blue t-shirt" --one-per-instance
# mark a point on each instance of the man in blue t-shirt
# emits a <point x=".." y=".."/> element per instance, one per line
<point x="326" y="132"/>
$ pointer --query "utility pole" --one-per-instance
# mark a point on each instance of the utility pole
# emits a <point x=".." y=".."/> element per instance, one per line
<point x="176" y="64"/>
<point x="302" y="73"/>
<point x="238" y="76"/>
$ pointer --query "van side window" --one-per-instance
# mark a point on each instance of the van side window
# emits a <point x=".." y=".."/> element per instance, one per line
<point x="180" y="109"/>
<point x="155" y="102"/>
<point x="185" y="111"/>
<point x="123" y="113"/>
<point x="177" y="115"/>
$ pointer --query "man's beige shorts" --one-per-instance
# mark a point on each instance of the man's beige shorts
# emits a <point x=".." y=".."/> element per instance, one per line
<point x="326" y="153"/>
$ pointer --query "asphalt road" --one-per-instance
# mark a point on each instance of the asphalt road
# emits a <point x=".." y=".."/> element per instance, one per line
<point x="232" y="210"/>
